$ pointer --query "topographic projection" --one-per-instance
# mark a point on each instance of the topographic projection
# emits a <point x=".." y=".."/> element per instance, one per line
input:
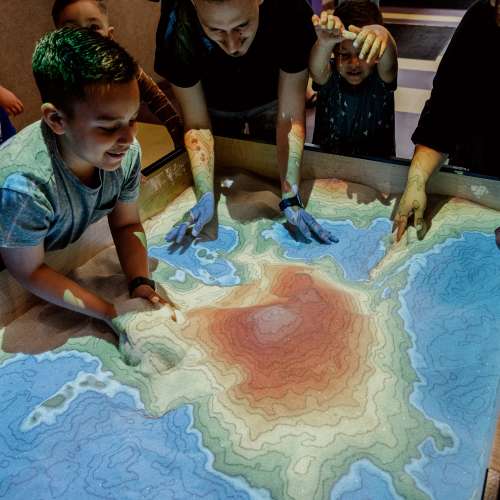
<point x="295" y="370"/>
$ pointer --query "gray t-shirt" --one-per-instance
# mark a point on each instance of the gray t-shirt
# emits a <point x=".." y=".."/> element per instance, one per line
<point x="41" y="200"/>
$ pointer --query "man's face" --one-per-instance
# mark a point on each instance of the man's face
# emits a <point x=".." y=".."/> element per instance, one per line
<point x="232" y="24"/>
<point x="85" y="14"/>
<point x="349" y="65"/>
<point x="102" y="127"/>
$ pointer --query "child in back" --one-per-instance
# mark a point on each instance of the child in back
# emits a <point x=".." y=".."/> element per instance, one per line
<point x="355" y="101"/>
<point x="93" y="14"/>
<point x="80" y="163"/>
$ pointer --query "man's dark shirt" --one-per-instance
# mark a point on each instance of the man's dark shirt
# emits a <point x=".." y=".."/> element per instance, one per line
<point x="185" y="55"/>
<point x="461" y="118"/>
<point x="355" y="119"/>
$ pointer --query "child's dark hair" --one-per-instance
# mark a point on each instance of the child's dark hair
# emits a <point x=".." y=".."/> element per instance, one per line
<point x="67" y="61"/>
<point x="358" y="12"/>
<point x="60" y="5"/>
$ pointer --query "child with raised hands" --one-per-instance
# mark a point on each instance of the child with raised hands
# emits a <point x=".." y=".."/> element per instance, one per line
<point x="355" y="100"/>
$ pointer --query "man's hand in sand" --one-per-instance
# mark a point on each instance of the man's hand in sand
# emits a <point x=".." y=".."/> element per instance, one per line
<point x="197" y="218"/>
<point x="413" y="202"/>
<point x="308" y="225"/>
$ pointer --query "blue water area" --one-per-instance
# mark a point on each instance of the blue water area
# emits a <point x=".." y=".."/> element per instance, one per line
<point x="364" y="481"/>
<point x="358" y="251"/>
<point x="451" y="308"/>
<point x="203" y="260"/>
<point x="101" y="446"/>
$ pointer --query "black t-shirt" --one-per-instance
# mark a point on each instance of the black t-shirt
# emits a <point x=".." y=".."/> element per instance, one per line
<point x="185" y="55"/>
<point x="462" y="115"/>
<point x="355" y="119"/>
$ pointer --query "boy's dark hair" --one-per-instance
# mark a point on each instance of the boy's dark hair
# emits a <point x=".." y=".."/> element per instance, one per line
<point x="60" y="5"/>
<point x="358" y="12"/>
<point x="67" y="61"/>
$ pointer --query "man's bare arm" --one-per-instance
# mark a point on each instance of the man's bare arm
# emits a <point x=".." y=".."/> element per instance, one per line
<point x="290" y="128"/>
<point x="193" y="106"/>
<point x="414" y="199"/>
<point x="199" y="144"/>
<point x="290" y="137"/>
<point x="197" y="137"/>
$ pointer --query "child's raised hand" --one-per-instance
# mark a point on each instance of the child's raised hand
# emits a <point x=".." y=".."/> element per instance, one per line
<point x="329" y="28"/>
<point x="10" y="102"/>
<point x="371" y="40"/>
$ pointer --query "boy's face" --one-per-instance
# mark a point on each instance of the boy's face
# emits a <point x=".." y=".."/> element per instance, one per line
<point x="85" y="14"/>
<point x="231" y="24"/>
<point x="101" y="128"/>
<point x="349" y="65"/>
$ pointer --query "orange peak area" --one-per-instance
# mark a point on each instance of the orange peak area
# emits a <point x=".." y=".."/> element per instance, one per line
<point x="303" y="346"/>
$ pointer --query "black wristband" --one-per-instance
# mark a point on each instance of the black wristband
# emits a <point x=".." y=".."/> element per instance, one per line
<point x="138" y="281"/>
<point x="294" y="201"/>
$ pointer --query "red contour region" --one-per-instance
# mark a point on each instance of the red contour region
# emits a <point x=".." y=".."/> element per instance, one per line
<point x="304" y="347"/>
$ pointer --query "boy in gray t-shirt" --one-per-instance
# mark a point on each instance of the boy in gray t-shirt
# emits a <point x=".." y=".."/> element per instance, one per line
<point x="78" y="164"/>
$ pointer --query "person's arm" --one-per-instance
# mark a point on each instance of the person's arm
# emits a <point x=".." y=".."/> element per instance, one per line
<point x="198" y="137"/>
<point x="329" y="29"/>
<point x="193" y="106"/>
<point x="199" y="144"/>
<point x="10" y="102"/>
<point x="290" y="138"/>
<point x="161" y="107"/>
<point x="130" y="240"/>
<point x="414" y="199"/>
<point x="319" y="63"/>
<point x="387" y="66"/>
<point x="291" y="121"/>
<point x="26" y="264"/>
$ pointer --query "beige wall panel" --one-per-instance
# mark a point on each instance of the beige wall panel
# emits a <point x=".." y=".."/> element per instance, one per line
<point x="23" y="22"/>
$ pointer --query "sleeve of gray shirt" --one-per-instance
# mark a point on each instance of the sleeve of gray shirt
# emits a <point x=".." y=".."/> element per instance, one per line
<point x="24" y="221"/>
<point x="132" y="175"/>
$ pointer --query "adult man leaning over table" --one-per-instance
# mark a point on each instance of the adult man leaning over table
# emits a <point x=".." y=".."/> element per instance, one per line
<point x="239" y="67"/>
<point x="460" y="120"/>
